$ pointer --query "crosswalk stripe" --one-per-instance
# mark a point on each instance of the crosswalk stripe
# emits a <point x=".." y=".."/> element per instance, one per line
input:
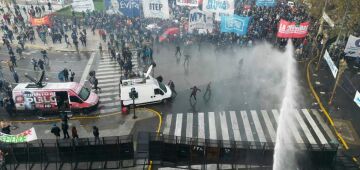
<point x="247" y="127"/>
<point x="111" y="104"/>
<point x="258" y="127"/>
<point x="108" y="72"/>
<point x="178" y="124"/>
<point x="107" y="69"/>
<point x="108" y="94"/>
<point x="106" y="99"/>
<point x="212" y="126"/>
<point x="323" y="124"/>
<point x="295" y="131"/>
<point x="189" y="125"/>
<point x="113" y="88"/>
<point x="107" y="76"/>
<point x="314" y="126"/>
<point x="224" y="127"/>
<point x="304" y="128"/>
<point x="235" y="126"/>
<point x="109" y="80"/>
<point x="201" y="126"/>
<point x="269" y="126"/>
<point x="110" y="110"/>
<point x="166" y="130"/>
<point x="109" y="84"/>
<point x="108" y="65"/>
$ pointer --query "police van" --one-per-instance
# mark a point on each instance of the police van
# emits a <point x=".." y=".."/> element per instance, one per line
<point x="149" y="90"/>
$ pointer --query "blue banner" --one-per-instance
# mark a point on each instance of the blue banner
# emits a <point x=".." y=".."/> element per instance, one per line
<point x="235" y="24"/>
<point x="267" y="3"/>
<point x="130" y="8"/>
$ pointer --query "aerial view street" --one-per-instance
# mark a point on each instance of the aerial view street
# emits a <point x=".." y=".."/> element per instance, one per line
<point x="180" y="84"/>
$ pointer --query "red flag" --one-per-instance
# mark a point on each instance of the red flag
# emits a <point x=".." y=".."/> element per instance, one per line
<point x="291" y="30"/>
<point x="40" y="21"/>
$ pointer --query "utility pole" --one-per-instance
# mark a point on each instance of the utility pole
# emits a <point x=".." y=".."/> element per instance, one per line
<point x="324" y="40"/>
<point x="342" y="68"/>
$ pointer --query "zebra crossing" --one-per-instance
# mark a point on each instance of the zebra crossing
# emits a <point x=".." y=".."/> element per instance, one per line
<point x="108" y="74"/>
<point x="306" y="127"/>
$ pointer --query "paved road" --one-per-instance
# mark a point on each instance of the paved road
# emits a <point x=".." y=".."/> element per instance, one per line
<point x="257" y="84"/>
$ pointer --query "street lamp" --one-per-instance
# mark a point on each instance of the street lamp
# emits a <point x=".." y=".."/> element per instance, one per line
<point x="133" y="95"/>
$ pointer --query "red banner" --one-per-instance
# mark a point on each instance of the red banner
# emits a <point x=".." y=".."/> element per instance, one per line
<point x="40" y="21"/>
<point x="291" y="30"/>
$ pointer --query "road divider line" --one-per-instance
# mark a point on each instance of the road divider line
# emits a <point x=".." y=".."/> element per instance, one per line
<point x="87" y="68"/>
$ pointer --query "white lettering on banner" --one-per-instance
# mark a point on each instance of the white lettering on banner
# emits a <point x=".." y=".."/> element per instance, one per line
<point x="193" y="3"/>
<point x="219" y="7"/>
<point x="357" y="98"/>
<point x="200" y="20"/>
<point x="156" y="9"/>
<point x="331" y="64"/>
<point x="352" y="48"/>
<point x="235" y="24"/>
<point x="129" y="4"/>
<point x="83" y="5"/>
<point x="293" y="29"/>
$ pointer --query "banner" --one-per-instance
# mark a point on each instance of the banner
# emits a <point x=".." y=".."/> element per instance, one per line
<point x="219" y="7"/>
<point x="352" y="48"/>
<point x="291" y="30"/>
<point x="156" y="9"/>
<point x="267" y="3"/>
<point x="357" y="98"/>
<point x="328" y="20"/>
<point x="26" y="136"/>
<point x="193" y="3"/>
<point x="235" y="24"/>
<point x="83" y="5"/>
<point x="40" y="21"/>
<point x="130" y="8"/>
<point x="331" y="64"/>
<point x="200" y="20"/>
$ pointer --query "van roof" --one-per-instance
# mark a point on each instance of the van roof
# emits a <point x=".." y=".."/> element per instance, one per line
<point x="130" y="83"/>
<point x="48" y="86"/>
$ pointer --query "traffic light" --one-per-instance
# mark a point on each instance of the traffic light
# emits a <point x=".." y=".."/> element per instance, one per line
<point x="133" y="94"/>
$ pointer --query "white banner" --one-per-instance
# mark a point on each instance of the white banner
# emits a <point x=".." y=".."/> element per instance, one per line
<point x="328" y="19"/>
<point x="83" y="5"/>
<point x="156" y="9"/>
<point x="219" y="7"/>
<point x="200" y="20"/>
<point x="352" y="48"/>
<point x="357" y="98"/>
<point x="193" y="3"/>
<point x="331" y="64"/>
<point x="26" y="136"/>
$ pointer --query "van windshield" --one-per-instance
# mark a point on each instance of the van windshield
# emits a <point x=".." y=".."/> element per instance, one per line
<point x="162" y="87"/>
<point x="84" y="93"/>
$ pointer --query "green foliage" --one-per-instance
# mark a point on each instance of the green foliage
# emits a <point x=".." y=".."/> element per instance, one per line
<point x="336" y="9"/>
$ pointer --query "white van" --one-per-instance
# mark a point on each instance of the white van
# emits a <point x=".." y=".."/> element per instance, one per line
<point x="148" y="88"/>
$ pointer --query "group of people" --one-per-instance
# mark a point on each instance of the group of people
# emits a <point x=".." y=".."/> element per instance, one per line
<point x="56" y="131"/>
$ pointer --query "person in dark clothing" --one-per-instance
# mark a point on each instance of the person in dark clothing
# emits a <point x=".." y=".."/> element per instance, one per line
<point x="41" y="64"/>
<point x="208" y="90"/>
<point x="8" y="106"/>
<point x="194" y="91"/>
<point x="172" y="88"/>
<point x="6" y="130"/>
<point x="72" y="75"/>
<point x="16" y="77"/>
<point x="66" y="74"/>
<point x="74" y="133"/>
<point x="96" y="85"/>
<point x="13" y="60"/>
<point x="56" y="131"/>
<point x="34" y="63"/>
<point x="65" y="127"/>
<point x="177" y="51"/>
<point x="96" y="134"/>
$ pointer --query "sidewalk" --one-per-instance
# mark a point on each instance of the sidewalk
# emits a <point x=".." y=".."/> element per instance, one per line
<point x="109" y="125"/>
<point x="343" y="110"/>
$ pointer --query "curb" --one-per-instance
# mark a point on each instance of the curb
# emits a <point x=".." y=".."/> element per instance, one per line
<point x="314" y="93"/>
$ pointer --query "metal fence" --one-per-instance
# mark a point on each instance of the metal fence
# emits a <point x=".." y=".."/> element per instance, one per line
<point x="162" y="150"/>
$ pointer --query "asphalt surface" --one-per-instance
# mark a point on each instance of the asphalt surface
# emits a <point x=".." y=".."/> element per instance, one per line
<point x="254" y="85"/>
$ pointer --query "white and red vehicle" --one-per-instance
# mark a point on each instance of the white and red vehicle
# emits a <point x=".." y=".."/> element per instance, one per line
<point x="54" y="97"/>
